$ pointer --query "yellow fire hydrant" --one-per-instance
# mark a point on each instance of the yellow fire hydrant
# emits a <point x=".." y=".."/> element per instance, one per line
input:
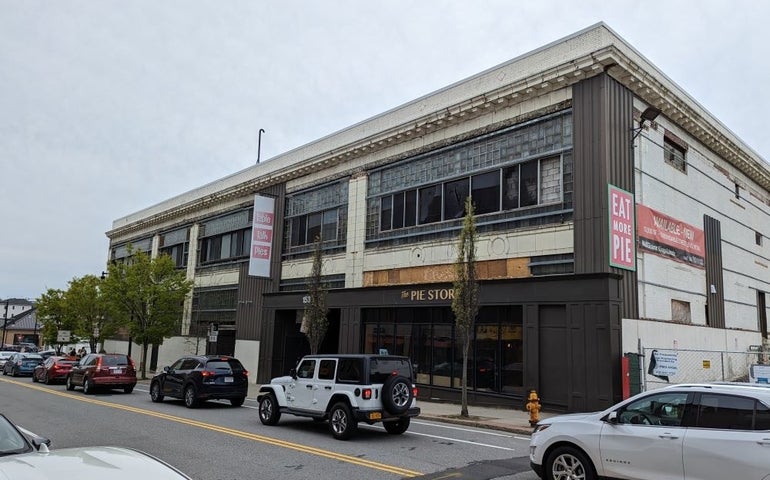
<point x="533" y="407"/>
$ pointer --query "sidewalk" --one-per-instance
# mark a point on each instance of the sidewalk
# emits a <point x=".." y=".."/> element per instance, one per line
<point x="504" y="419"/>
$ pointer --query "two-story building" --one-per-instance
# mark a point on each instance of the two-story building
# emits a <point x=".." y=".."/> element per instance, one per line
<point x="612" y="211"/>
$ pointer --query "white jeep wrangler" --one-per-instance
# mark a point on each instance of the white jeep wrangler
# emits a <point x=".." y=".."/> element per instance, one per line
<point x="344" y="389"/>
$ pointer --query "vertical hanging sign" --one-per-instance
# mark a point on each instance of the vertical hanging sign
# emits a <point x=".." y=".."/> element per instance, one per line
<point x="622" y="228"/>
<point x="262" y="236"/>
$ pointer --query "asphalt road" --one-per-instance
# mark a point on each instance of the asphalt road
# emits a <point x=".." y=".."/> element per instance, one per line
<point x="219" y="442"/>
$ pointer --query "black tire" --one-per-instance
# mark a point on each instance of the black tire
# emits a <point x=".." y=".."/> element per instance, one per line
<point x="70" y="385"/>
<point x="269" y="414"/>
<point x="5" y="372"/>
<point x="237" y="402"/>
<point x="13" y="372"/>
<point x="155" y="394"/>
<point x="88" y="386"/>
<point x="128" y="389"/>
<point x="190" y="397"/>
<point x="46" y="379"/>
<point x="568" y="462"/>
<point x="34" y="378"/>
<point x="341" y="422"/>
<point x="397" y="427"/>
<point x="397" y="395"/>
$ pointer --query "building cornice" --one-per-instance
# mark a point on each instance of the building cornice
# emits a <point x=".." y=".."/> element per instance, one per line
<point x="604" y="52"/>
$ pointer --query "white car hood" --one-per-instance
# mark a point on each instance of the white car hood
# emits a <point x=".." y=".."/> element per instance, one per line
<point x="88" y="463"/>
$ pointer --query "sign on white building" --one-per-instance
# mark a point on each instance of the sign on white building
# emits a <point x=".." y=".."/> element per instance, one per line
<point x="262" y="236"/>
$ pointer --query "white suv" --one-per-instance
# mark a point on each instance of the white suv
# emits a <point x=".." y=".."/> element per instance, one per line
<point x="345" y="390"/>
<point x="697" y="432"/>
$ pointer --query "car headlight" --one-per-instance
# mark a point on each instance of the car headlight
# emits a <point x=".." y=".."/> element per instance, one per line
<point x="540" y="427"/>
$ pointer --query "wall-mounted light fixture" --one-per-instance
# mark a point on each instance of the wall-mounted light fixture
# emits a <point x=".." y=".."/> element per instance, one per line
<point x="648" y="115"/>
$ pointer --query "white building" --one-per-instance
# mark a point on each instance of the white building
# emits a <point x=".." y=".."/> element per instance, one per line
<point x="553" y="147"/>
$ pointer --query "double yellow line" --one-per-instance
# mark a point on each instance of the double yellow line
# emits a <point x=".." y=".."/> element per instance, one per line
<point x="229" y="431"/>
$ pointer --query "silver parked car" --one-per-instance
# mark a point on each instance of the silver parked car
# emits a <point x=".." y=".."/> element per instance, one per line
<point x="24" y="455"/>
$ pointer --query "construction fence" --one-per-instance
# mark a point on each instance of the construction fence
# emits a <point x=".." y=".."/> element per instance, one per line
<point x="658" y="367"/>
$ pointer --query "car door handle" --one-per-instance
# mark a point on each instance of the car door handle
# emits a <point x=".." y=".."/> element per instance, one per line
<point x="328" y="387"/>
<point x="765" y="442"/>
<point x="669" y="436"/>
<point x="309" y="387"/>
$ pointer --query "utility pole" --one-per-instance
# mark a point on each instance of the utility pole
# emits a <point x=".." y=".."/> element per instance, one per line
<point x="5" y="322"/>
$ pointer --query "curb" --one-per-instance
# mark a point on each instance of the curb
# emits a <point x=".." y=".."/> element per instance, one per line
<point x="487" y="423"/>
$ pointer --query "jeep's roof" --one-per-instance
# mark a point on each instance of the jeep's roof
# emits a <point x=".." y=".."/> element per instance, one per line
<point x="355" y="355"/>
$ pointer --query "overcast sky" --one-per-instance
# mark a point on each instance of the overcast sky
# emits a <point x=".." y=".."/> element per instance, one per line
<point x="108" y="107"/>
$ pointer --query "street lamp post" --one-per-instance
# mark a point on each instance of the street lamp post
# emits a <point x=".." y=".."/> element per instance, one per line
<point x="5" y="322"/>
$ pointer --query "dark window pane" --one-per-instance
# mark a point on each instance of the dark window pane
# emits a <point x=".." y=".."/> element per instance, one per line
<point x="762" y="420"/>
<point x="329" y="232"/>
<point x="486" y="192"/>
<point x="398" y="210"/>
<point x="529" y="184"/>
<point x="430" y="204"/>
<point x="298" y="234"/>
<point x="313" y="227"/>
<point x="410" y="208"/>
<point x="245" y="242"/>
<point x="215" y="248"/>
<point x="511" y="187"/>
<point x="386" y="213"/>
<point x="455" y="194"/>
<point x="725" y="412"/>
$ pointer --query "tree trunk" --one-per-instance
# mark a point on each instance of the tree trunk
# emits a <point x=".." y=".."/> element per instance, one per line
<point x="464" y="394"/>
<point x="143" y="360"/>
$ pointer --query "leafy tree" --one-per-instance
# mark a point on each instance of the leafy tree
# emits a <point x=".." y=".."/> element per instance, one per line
<point x="465" y="303"/>
<point x="147" y="294"/>
<point x="89" y="310"/>
<point x="315" y="321"/>
<point x="52" y="312"/>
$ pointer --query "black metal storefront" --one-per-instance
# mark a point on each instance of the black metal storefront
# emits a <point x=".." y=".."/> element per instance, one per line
<point x="559" y="335"/>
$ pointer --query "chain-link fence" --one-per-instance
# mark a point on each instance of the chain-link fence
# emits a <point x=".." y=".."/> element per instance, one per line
<point x="661" y="367"/>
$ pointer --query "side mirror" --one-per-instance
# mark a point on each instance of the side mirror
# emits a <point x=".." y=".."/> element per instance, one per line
<point x="167" y="369"/>
<point x="293" y="373"/>
<point x="612" y="417"/>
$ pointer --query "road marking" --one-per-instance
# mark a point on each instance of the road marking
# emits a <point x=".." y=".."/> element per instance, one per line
<point x="465" y="429"/>
<point x="457" y="440"/>
<point x="230" y="431"/>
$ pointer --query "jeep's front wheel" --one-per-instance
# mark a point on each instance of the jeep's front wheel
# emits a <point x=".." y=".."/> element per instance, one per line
<point x="397" y="394"/>
<point x="268" y="409"/>
<point x="341" y="422"/>
<point x="398" y="427"/>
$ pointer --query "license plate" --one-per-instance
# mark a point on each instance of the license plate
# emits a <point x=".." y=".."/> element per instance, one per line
<point x="117" y="371"/>
<point x="375" y="416"/>
<point x="228" y="379"/>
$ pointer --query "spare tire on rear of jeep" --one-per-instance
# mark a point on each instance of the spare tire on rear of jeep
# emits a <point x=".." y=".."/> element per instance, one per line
<point x="397" y="394"/>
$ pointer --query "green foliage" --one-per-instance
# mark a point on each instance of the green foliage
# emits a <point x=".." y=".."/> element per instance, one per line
<point x="147" y="295"/>
<point x="315" y="321"/>
<point x="89" y="310"/>
<point x="465" y="303"/>
<point x="52" y="313"/>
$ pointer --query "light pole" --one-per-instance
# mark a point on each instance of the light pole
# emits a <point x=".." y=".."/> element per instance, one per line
<point x="5" y="322"/>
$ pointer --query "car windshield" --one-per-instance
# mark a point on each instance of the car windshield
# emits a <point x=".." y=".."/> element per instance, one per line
<point x="381" y="368"/>
<point x="230" y="365"/>
<point x="33" y="357"/>
<point x="113" y="360"/>
<point x="11" y="441"/>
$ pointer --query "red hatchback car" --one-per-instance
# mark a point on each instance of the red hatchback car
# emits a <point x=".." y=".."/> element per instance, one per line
<point x="54" y="369"/>
<point x="110" y="370"/>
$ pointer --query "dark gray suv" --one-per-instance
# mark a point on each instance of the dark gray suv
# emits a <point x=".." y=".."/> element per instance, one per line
<point x="200" y="378"/>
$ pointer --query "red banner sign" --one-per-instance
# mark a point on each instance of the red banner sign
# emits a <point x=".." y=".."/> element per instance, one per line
<point x="622" y="235"/>
<point x="669" y="237"/>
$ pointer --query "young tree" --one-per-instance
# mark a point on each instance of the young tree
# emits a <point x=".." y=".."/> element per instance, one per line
<point x="52" y="312"/>
<point x="148" y="295"/>
<point x="465" y="303"/>
<point x="88" y="307"/>
<point x="315" y="322"/>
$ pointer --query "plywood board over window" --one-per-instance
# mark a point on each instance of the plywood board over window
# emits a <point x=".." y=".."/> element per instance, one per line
<point x="680" y="311"/>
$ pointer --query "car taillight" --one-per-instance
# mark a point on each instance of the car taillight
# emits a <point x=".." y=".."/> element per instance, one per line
<point x="414" y="392"/>
<point x="207" y="373"/>
<point x="366" y="394"/>
<point x="133" y="365"/>
<point x="245" y="373"/>
<point x="99" y="362"/>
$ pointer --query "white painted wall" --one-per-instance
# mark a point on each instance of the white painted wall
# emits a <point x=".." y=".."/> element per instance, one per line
<point x="247" y="351"/>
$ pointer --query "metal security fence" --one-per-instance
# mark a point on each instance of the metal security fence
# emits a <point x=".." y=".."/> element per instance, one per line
<point x="661" y="366"/>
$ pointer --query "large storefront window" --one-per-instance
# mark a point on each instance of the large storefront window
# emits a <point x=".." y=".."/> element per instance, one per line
<point x="427" y="336"/>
